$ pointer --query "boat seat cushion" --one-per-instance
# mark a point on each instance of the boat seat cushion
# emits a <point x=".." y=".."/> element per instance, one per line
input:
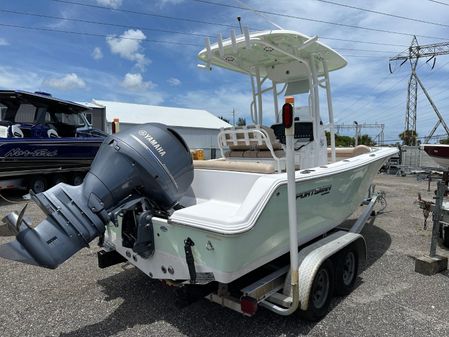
<point x="3" y="131"/>
<point x="254" y="154"/>
<point x="16" y="131"/>
<point x="349" y="152"/>
<point x="51" y="133"/>
<point x="234" y="165"/>
<point x="241" y="144"/>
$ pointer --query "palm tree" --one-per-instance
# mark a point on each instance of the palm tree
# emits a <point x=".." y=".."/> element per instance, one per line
<point x="241" y="121"/>
<point x="408" y="137"/>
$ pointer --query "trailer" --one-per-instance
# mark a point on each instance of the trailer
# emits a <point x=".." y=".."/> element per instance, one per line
<point x="39" y="180"/>
<point x="439" y="210"/>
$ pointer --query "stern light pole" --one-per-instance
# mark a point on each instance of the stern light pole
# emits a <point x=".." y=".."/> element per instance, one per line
<point x="288" y="122"/>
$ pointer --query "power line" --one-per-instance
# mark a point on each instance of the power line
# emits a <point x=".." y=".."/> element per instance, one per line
<point x="368" y="56"/>
<point x="383" y="13"/>
<point x="314" y="20"/>
<point x="439" y="2"/>
<point x="97" y="35"/>
<point x="127" y="38"/>
<point x="351" y="106"/>
<point x="100" y="23"/>
<point x="104" y="23"/>
<point x="243" y="8"/>
<point x="365" y="42"/>
<point x="390" y="107"/>
<point x="364" y="104"/>
<point x="144" y="13"/>
<point x="143" y="40"/>
<point x="400" y="103"/>
<point x="400" y="79"/>
<point x="205" y="22"/>
<point x="367" y="50"/>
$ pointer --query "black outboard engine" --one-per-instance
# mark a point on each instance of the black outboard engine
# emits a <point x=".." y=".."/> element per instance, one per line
<point x="148" y="166"/>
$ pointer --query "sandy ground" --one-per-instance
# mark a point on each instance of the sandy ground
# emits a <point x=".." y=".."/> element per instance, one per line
<point x="78" y="299"/>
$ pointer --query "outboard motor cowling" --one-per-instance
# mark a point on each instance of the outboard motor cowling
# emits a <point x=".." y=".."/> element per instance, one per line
<point x="148" y="162"/>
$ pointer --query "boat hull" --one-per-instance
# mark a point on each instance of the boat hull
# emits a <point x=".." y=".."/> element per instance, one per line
<point x="224" y="255"/>
<point x="438" y="152"/>
<point x="21" y="156"/>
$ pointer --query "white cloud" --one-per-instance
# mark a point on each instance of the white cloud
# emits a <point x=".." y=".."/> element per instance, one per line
<point x="221" y="102"/>
<point x="162" y="3"/>
<point x="3" y="42"/>
<point x="173" y="81"/>
<point x="128" y="46"/>
<point x="97" y="54"/>
<point x="102" y="85"/>
<point x="110" y="3"/>
<point x="67" y="82"/>
<point x="16" y="78"/>
<point x="136" y="82"/>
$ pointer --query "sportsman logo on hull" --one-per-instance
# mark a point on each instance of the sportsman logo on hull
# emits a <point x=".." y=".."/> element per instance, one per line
<point x="319" y="190"/>
<point x="152" y="141"/>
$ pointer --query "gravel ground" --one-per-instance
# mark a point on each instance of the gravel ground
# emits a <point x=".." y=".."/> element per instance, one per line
<point x="78" y="299"/>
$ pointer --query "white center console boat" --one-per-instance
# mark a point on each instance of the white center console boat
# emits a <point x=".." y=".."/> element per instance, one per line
<point x="230" y="227"/>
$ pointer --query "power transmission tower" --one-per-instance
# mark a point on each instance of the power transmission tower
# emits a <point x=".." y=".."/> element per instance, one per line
<point x="416" y="51"/>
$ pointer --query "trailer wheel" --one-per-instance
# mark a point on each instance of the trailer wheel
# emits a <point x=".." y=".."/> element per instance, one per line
<point x="346" y="271"/>
<point x="38" y="184"/>
<point x="77" y="179"/>
<point x="444" y="234"/>
<point x="59" y="178"/>
<point x="321" y="293"/>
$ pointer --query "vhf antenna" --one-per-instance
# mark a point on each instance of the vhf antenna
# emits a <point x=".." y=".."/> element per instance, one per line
<point x="239" y="19"/>
<point x="257" y="13"/>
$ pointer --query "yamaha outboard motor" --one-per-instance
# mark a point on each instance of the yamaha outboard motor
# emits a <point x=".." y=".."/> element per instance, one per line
<point x="148" y="168"/>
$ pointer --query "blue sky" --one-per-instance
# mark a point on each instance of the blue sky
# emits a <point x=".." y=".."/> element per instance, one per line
<point x="104" y="66"/>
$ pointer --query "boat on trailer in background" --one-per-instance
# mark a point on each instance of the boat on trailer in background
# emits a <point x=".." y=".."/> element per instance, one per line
<point x="44" y="140"/>
<point x="257" y="227"/>
<point x="438" y="152"/>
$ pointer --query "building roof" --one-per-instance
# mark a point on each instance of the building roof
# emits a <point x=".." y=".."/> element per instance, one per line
<point x="141" y="113"/>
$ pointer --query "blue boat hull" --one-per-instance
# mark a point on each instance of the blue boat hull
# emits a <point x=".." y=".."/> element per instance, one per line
<point x="18" y="155"/>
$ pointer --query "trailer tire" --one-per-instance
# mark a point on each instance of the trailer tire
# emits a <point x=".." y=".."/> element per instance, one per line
<point x="444" y="234"/>
<point x="346" y="271"/>
<point x="38" y="184"/>
<point x="58" y="178"/>
<point x="77" y="179"/>
<point x="321" y="292"/>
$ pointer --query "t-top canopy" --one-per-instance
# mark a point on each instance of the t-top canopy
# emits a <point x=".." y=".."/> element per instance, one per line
<point x="17" y="97"/>
<point x="273" y="53"/>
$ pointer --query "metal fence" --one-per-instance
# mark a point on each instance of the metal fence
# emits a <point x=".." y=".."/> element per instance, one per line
<point x="413" y="158"/>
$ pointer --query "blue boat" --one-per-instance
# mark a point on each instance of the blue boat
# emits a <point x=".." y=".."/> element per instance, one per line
<point x="40" y="134"/>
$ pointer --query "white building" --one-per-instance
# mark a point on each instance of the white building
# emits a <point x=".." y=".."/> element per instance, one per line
<point x="199" y="128"/>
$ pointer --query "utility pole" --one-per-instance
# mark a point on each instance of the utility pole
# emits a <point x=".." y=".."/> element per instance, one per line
<point x="416" y="51"/>
<point x="356" y="133"/>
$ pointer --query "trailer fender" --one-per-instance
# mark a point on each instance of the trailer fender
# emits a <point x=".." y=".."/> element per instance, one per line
<point x="311" y="258"/>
